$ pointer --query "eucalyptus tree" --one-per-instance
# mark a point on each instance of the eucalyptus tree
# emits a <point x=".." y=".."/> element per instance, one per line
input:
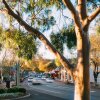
<point x="81" y="22"/>
<point x="51" y="66"/>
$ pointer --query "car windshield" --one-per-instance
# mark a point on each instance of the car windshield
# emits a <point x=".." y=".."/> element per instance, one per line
<point x="49" y="78"/>
<point x="37" y="78"/>
<point x="30" y="77"/>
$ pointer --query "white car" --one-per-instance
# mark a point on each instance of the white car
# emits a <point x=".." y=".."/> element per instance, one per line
<point x="30" y="79"/>
<point x="49" y="80"/>
<point x="36" y="81"/>
<point x="43" y="77"/>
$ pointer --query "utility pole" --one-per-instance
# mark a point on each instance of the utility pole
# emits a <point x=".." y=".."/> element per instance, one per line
<point x="17" y="74"/>
<point x="18" y="62"/>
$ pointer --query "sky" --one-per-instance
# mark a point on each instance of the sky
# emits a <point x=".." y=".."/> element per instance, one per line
<point x="59" y="23"/>
<point x="6" y="53"/>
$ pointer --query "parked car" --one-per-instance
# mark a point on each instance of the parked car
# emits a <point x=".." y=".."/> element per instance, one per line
<point x="36" y="81"/>
<point x="30" y="79"/>
<point x="49" y="80"/>
<point x="39" y="76"/>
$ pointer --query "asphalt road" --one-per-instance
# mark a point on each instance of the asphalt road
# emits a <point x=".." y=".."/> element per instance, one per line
<point x="54" y="91"/>
<point x="41" y="96"/>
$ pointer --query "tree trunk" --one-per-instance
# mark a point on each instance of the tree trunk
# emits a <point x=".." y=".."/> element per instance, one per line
<point x="82" y="87"/>
<point x="81" y="91"/>
<point x="95" y="77"/>
<point x="82" y="80"/>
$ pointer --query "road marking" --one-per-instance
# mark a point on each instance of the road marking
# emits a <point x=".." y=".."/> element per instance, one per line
<point x="60" y="87"/>
<point x="92" y="91"/>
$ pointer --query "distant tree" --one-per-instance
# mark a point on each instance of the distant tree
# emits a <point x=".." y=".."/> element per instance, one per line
<point x="27" y="65"/>
<point x="51" y="66"/>
<point x="24" y="45"/>
<point x="98" y="29"/>
<point x="43" y="63"/>
<point x="57" y="62"/>
<point x="95" y="55"/>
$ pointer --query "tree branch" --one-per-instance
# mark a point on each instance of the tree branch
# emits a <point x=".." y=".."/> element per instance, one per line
<point x="75" y="16"/>
<point x="33" y="31"/>
<point x="82" y="9"/>
<point x="94" y="14"/>
<point x="78" y="29"/>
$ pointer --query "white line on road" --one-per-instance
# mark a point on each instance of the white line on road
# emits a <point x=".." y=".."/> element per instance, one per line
<point x="92" y="91"/>
<point x="61" y="87"/>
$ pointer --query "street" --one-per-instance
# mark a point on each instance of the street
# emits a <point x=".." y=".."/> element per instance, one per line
<point x="54" y="91"/>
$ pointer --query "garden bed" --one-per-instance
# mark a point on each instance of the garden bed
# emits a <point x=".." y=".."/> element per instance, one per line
<point x="12" y="93"/>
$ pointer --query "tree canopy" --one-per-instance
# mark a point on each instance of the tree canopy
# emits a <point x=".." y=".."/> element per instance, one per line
<point x="65" y="36"/>
<point x="95" y="50"/>
<point x="23" y="44"/>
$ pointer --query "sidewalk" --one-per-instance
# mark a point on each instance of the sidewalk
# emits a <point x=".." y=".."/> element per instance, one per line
<point x="95" y="86"/>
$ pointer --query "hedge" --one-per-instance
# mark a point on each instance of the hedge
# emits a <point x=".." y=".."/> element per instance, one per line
<point x="13" y="90"/>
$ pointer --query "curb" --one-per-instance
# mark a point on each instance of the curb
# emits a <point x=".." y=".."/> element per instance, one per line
<point x="20" y="97"/>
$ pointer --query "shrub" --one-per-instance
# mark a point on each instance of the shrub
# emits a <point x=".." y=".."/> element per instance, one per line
<point x="3" y="91"/>
<point x="13" y="90"/>
<point x="22" y="90"/>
